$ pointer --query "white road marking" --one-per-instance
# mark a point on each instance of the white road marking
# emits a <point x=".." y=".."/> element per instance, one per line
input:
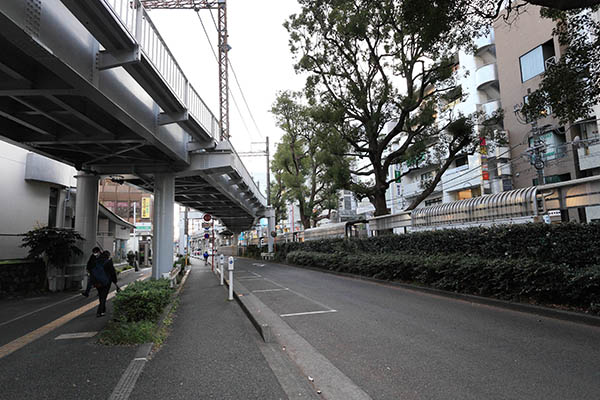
<point x="269" y="290"/>
<point x="40" y="309"/>
<point x="301" y="295"/>
<point x="39" y="332"/>
<point x="77" y="335"/>
<point x="308" y="313"/>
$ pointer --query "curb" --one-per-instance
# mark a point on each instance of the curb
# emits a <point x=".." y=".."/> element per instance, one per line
<point x="570" y="316"/>
<point x="168" y="309"/>
<point x="251" y="310"/>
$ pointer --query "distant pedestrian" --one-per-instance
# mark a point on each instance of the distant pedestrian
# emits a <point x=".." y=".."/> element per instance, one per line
<point x="91" y="264"/>
<point x="103" y="274"/>
<point x="205" y="255"/>
<point x="137" y="261"/>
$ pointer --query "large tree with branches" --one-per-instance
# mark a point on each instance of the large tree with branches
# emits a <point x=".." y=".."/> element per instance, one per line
<point x="305" y="169"/>
<point x="383" y="71"/>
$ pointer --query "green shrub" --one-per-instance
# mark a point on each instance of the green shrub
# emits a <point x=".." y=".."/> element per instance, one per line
<point x="142" y="300"/>
<point x="576" y="245"/>
<point x="505" y="278"/>
<point x="123" y="332"/>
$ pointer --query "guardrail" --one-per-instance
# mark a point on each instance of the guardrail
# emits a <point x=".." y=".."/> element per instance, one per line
<point x="137" y="22"/>
<point x="172" y="276"/>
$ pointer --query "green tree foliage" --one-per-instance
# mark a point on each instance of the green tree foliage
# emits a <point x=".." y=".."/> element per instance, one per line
<point x="305" y="170"/>
<point x="383" y="72"/>
<point x="58" y="245"/>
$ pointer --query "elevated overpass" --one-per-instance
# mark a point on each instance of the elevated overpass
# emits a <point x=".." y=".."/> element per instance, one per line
<point x="91" y="83"/>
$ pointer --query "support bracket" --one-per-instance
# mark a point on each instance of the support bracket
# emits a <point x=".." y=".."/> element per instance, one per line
<point x="118" y="58"/>
<point x="173" y="118"/>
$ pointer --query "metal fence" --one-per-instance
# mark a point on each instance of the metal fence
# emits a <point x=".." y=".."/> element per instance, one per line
<point x="137" y="22"/>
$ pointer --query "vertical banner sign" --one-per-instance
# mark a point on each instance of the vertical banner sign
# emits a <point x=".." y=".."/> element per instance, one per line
<point x="485" y="174"/>
<point x="145" y="207"/>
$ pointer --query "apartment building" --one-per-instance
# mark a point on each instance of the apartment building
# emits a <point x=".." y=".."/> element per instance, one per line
<point x="525" y="49"/>
<point x="470" y="175"/>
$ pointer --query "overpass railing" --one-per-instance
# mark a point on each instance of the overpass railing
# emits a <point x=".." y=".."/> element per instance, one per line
<point x="137" y="22"/>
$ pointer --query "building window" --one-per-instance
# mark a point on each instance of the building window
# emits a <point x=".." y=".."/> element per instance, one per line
<point x="431" y="202"/>
<point x="347" y="203"/>
<point x="554" y="179"/>
<point x="122" y="209"/>
<point x="461" y="160"/>
<point x="110" y="205"/>
<point x="53" y="207"/>
<point x="555" y="144"/>
<point x="533" y="63"/>
<point x="426" y="176"/>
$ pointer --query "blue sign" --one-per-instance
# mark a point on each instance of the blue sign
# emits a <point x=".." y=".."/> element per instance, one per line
<point x="206" y="236"/>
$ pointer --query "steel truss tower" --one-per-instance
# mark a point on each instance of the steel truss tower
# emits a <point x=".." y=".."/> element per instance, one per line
<point x="219" y="5"/>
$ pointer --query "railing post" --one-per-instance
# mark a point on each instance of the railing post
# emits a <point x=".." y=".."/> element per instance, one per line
<point x="139" y="16"/>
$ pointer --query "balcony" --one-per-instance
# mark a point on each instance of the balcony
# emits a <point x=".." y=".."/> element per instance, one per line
<point x="589" y="156"/>
<point x="486" y="75"/>
<point x="414" y="189"/>
<point x="484" y="42"/>
<point x="461" y="178"/>
<point x="490" y="108"/>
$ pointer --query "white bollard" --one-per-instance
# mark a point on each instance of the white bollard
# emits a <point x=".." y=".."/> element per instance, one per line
<point x="230" y="268"/>
<point x="222" y="262"/>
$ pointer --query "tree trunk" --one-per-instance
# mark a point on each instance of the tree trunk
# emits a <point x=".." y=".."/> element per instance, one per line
<point x="380" y="203"/>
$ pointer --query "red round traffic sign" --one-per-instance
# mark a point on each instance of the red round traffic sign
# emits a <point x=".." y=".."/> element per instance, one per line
<point x="207" y="217"/>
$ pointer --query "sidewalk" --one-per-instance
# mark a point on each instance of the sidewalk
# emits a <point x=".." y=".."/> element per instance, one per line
<point x="212" y="351"/>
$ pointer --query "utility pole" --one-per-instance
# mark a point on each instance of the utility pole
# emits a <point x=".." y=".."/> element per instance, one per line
<point x="268" y="174"/>
<point x="220" y="6"/>
<point x="537" y="151"/>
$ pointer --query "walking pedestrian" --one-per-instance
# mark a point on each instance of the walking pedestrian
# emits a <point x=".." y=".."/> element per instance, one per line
<point x="90" y="264"/>
<point x="205" y="255"/>
<point x="103" y="274"/>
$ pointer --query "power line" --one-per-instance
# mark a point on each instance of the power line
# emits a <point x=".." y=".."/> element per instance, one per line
<point x="217" y="60"/>
<point x="240" y="88"/>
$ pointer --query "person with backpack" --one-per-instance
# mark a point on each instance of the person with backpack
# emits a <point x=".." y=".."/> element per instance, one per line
<point x="103" y="274"/>
<point x="90" y="264"/>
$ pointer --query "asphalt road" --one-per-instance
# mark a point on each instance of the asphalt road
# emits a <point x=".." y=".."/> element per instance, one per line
<point x="396" y="343"/>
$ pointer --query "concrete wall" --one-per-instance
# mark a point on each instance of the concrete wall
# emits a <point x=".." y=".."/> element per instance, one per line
<point x="26" y="180"/>
<point x="23" y="204"/>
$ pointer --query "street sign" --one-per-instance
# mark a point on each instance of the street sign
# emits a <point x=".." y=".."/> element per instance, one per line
<point x="207" y="217"/>
<point x="206" y="225"/>
<point x="206" y="235"/>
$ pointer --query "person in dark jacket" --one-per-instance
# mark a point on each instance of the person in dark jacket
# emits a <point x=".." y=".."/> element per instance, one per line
<point x="90" y="264"/>
<point x="103" y="275"/>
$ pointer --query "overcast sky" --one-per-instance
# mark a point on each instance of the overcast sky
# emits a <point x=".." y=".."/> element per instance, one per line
<point x="259" y="55"/>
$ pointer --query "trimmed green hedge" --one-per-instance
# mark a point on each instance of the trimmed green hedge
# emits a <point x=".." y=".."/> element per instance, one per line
<point x="142" y="300"/>
<point x="577" y="245"/>
<point x="548" y="264"/>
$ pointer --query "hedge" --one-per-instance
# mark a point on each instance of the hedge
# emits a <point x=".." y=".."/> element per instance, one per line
<point x="546" y="264"/>
<point x="142" y="300"/>
<point x="576" y="245"/>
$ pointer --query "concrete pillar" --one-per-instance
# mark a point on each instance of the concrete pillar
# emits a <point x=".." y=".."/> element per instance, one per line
<point x="162" y="241"/>
<point x="270" y="228"/>
<point x="86" y="212"/>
